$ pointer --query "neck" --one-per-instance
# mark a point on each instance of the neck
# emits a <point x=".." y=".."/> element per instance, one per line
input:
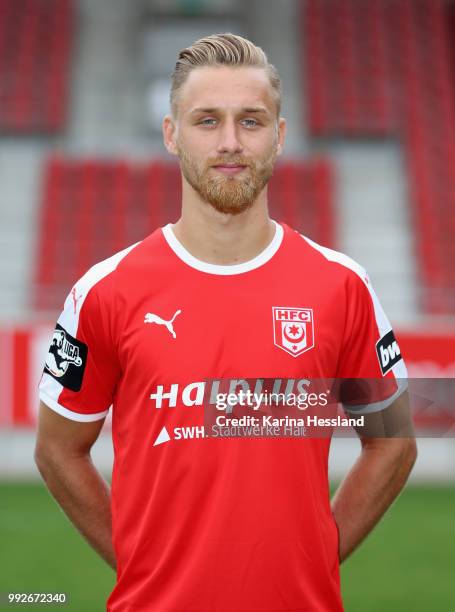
<point x="219" y="238"/>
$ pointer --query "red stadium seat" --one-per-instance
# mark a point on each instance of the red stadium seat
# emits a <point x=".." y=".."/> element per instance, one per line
<point x="385" y="68"/>
<point x="349" y="78"/>
<point x="35" y="45"/>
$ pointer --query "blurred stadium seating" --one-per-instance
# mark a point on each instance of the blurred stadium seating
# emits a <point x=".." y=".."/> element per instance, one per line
<point x="384" y="67"/>
<point x="35" y="62"/>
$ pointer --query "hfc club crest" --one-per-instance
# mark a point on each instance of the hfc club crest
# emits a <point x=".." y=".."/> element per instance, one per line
<point x="293" y="329"/>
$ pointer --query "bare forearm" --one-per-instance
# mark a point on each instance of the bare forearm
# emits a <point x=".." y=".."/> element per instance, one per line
<point x="372" y="484"/>
<point x="85" y="498"/>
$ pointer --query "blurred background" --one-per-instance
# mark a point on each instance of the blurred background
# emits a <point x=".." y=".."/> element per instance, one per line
<point x="369" y="169"/>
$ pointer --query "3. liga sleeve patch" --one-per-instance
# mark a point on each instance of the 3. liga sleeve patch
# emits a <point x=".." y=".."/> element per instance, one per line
<point x="388" y="352"/>
<point x="66" y="359"/>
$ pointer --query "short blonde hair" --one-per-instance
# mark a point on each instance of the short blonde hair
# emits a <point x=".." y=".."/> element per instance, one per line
<point x="222" y="49"/>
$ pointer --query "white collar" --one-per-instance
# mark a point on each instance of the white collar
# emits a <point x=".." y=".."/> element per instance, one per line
<point x="210" y="268"/>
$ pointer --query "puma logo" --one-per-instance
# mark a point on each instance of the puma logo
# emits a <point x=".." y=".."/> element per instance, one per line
<point x="75" y="297"/>
<point x="153" y="318"/>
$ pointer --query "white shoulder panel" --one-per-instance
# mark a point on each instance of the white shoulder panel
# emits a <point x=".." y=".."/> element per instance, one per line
<point x="49" y="388"/>
<point x="340" y="258"/>
<point x="69" y="319"/>
<point x="382" y="320"/>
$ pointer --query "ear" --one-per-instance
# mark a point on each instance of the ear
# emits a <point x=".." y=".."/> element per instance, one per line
<point x="169" y="134"/>
<point x="281" y="135"/>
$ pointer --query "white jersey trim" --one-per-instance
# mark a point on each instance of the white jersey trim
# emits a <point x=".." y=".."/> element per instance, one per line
<point x="210" y="268"/>
<point x="69" y="318"/>
<point x="378" y="406"/>
<point x="70" y="414"/>
<point x="382" y="321"/>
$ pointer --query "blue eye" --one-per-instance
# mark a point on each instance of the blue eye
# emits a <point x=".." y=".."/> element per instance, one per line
<point x="250" y="122"/>
<point x="208" y="122"/>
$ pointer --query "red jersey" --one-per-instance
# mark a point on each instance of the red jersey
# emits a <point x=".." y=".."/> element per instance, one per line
<point x="205" y="523"/>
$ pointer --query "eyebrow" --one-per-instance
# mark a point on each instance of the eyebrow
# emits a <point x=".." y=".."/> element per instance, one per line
<point x="248" y="109"/>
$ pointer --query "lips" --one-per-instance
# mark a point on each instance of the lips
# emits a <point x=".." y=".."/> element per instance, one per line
<point x="229" y="168"/>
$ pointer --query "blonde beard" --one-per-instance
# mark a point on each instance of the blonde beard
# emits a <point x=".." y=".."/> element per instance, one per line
<point x="229" y="195"/>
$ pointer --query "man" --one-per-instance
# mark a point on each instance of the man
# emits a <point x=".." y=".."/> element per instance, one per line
<point x="202" y="522"/>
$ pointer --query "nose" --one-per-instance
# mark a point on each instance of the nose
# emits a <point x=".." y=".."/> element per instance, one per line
<point x="229" y="139"/>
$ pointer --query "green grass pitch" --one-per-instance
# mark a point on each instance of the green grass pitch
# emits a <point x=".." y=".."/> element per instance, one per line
<point x="407" y="564"/>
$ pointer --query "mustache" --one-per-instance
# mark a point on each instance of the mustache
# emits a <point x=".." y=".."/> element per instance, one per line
<point x="232" y="160"/>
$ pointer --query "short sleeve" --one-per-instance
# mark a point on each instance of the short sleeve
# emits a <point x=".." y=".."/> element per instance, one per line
<point x="81" y="369"/>
<point x="370" y="353"/>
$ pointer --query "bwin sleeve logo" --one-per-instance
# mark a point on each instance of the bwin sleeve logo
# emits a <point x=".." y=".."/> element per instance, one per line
<point x="388" y="352"/>
<point x="66" y="359"/>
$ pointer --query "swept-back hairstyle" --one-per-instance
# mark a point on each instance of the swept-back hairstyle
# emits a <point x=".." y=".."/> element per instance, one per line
<point x="222" y="49"/>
